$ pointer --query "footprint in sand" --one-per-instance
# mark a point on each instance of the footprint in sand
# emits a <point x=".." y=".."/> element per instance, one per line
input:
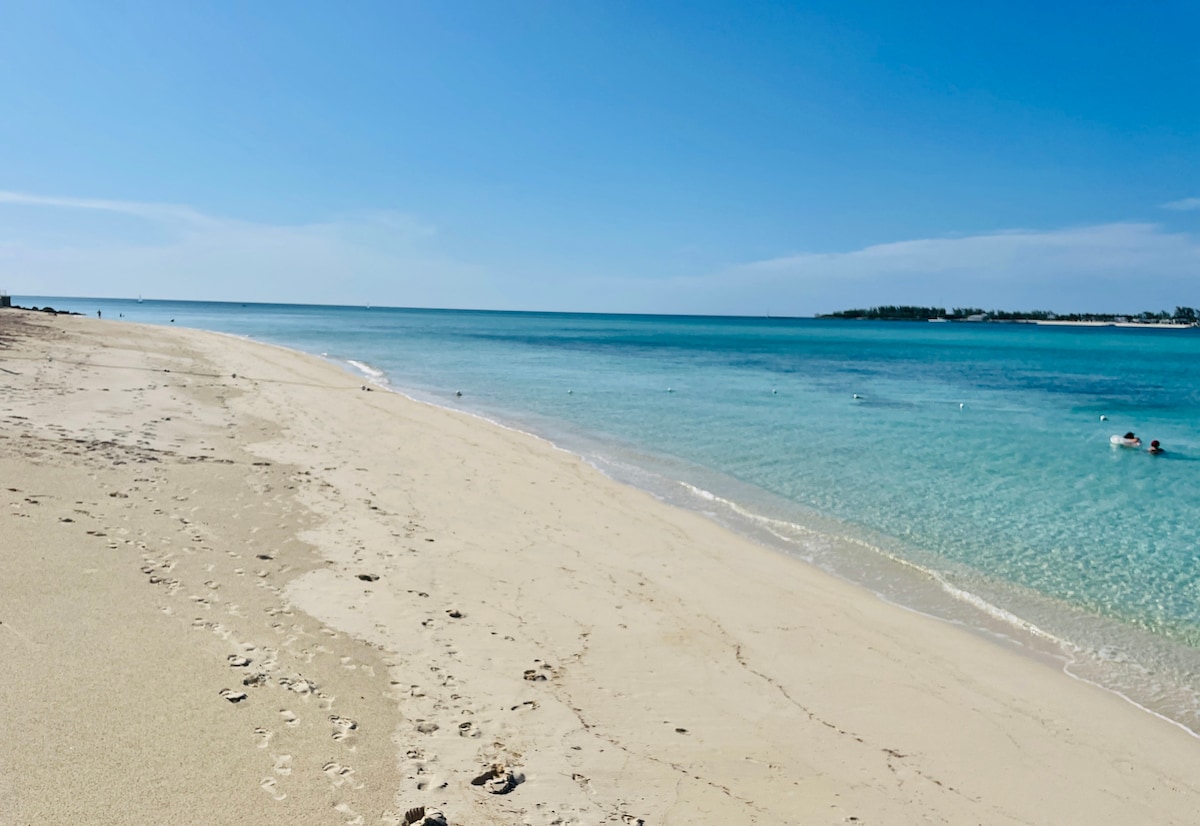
<point x="256" y="680"/>
<point x="264" y="737"/>
<point x="354" y="818"/>
<point x="546" y="815"/>
<point x="231" y="695"/>
<point x="299" y="685"/>
<point x="268" y="785"/>
<point x="289" y="719"/>
<point x="283" y="764"/>
<point x="430" y="783"/>
<point x="342" y="727"/>
<point x="340" y="775"/>
<point x="417" y="770"/>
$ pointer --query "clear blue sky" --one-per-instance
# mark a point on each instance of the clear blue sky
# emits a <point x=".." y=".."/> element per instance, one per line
<point x="784" y="158"/>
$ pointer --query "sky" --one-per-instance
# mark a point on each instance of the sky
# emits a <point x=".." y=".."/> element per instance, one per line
<point x="745" y="158"/>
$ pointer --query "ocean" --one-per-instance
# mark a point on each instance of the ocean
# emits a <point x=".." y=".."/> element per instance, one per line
<point x="961" y="470"/>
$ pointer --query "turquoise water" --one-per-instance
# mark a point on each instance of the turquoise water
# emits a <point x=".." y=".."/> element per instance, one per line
<point x="972" y="478"/>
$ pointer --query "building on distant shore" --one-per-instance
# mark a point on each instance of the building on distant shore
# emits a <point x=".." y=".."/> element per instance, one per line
<point x="5" y="299"/>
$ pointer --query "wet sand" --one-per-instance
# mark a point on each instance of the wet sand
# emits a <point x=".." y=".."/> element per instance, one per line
<point x="239" y="587"/>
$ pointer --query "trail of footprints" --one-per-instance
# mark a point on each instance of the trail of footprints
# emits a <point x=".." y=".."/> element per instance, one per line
<point x="447" y="728"/>
<point x="260" y="672"/>
<point x="438" y="750"/>
<point x="452" y="725"/>
<point x="191" y="578"/>
<point x="257" y="668"/>
<point x="188" y="581"/>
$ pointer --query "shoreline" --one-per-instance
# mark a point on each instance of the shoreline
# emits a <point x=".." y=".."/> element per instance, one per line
<point x="886" y="568"/>
<point x="1128" y="324"/>
<point x="613" y="656"/>
<point x="945" y="601"/>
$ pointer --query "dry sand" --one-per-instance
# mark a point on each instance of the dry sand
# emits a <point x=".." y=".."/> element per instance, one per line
<point x="425" y="610"/>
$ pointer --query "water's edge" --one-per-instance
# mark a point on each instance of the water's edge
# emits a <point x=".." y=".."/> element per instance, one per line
<point x="838" y="549"/>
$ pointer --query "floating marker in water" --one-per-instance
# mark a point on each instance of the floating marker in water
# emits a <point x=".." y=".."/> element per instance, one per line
<point x="773" y="391"/>
<point x="569" y="392"/>
<point x="857" y="396"/>
<point x="1103" y="418"/>
<point x="961" y="405"/>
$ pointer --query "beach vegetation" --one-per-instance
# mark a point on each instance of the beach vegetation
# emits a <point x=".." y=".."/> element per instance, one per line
<point x="905" y="312"/>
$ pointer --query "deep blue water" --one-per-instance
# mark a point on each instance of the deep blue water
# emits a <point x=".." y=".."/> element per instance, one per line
<point x="972" y="477"/>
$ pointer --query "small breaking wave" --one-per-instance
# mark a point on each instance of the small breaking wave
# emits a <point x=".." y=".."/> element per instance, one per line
<point x="373" y="373"/>
<point x="791" y="532"/>
<point x="1111" y="668"/>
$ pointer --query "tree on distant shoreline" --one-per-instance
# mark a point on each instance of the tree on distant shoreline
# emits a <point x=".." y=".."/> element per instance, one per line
<point x="904" y="312"/>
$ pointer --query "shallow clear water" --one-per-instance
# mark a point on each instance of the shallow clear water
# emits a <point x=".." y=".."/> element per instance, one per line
<point x="972" y="477"/>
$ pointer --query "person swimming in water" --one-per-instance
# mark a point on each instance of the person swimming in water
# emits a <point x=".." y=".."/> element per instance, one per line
<point x="1128" y="440"/>
<point x="1155" y="448"/>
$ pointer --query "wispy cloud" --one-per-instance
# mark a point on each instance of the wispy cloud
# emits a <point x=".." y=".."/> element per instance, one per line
<point x="1102" y="250"/>
<point x="48" y="244"/>
<point x="186" y="217"/>
<point x="150" y="211"/>
<point x="1111" y="267"/>
<point x="1183" y="204"/>
<point x="391" y="257"/>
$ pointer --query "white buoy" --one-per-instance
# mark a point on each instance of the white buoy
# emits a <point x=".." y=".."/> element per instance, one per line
<point x="569" y="392"/>
<point x="774" y="391"/>
<point x="961" y="405"/>
<point x="857" y="396"/>
<point x="1103" y="418"/>
<point x="670" y="389"/>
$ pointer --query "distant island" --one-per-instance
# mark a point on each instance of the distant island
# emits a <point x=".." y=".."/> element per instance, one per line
<point x="1182" y="317"/>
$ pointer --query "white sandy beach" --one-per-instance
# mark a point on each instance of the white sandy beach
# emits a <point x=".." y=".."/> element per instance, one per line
<point x="1143" y="325"/>
<point x="422" y="609"/>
